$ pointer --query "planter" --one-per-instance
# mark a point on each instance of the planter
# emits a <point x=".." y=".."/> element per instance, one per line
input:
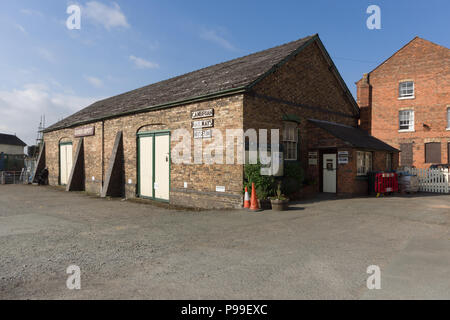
<point x="264" y="204"/>
<point x="279" y="205"/>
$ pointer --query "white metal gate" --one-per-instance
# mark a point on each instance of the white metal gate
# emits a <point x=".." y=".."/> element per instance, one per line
<point x="432" y="180"/>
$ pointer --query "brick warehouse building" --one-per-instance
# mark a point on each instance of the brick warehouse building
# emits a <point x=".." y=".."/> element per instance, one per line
<point x="405" y="101"/>
<point x="121" y="145"/>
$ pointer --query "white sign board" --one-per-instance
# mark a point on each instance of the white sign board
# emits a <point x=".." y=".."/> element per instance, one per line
<point x="208" y="123"/>
<point x="220" y="189"/>
<point x="312" y="158"/>
<point x="342" y="157"/>
<point x="200" y="134"/>
<point x="202" y="113"/>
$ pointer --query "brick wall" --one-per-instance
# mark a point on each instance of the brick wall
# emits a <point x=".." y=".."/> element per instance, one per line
<point x="428" y="65"/>
<point x="303" y="87"/>
<point x="202" y="179"/>
<point x="348" y="183"/>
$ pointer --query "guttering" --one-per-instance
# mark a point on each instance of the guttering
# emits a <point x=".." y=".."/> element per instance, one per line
<point x="209" y="96"/>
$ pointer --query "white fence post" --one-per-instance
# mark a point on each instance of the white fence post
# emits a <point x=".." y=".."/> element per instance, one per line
<point x="432" y="180"/>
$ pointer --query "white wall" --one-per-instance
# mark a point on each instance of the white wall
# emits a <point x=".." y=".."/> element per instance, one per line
<point x="8" y="149"/>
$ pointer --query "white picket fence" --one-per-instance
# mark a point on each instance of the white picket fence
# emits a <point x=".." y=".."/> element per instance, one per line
<point x="432" y="180"/>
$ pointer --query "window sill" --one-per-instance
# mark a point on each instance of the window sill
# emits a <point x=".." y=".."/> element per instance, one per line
<point x="447" y="129"/>
<point x="362" y="177"/>
<point x="406" y="98"/>
<point x="407" y="130"/>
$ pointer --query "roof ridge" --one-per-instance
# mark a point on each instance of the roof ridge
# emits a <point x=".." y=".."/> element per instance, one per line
<point x="403" y="47"/>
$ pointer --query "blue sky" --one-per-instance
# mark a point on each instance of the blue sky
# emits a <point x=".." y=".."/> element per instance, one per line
<point x="122" y="45"/>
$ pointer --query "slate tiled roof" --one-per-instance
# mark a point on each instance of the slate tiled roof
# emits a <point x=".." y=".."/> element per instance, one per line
<point x="11" y="140"/>
<point x="233" y="74"/>
<point x="355" y="137"/>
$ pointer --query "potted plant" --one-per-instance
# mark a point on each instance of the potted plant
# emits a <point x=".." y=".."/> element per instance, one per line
<point x="263" y="199"/>
<point x="279" y="201"/>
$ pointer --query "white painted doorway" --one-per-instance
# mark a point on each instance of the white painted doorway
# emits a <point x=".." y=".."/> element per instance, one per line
<point x="146" y="166"/>
<point x="154" y="165"/>
<point x="329" y="172"/>
<point x="162" y="166"/>
<point x="65" y="162"/>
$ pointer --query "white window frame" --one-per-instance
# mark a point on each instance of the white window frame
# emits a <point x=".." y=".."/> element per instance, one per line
<point x="410" y="120"/>
<point x="402" y="91"/>
<point x="364" y="160"/>
<point x="448" y="118"/>
<point x="290" y="140"/>
<point x="389" y="161"/>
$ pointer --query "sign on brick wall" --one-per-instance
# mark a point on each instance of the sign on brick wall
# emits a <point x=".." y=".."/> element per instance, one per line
<point x="200" y="134"/>
<point x="342" y="157"/>
<point x="202" y="113"/>
<point x="84" y="132"/>
<point x="312" y="158"/>
<point x="208" y="123"/>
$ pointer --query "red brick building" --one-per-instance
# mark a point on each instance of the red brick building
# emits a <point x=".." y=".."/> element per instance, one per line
<point x="405" y="101"/>
<point x="122" y="146"/>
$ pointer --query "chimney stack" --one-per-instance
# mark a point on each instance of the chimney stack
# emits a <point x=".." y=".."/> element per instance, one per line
<point x="364" y="100"/>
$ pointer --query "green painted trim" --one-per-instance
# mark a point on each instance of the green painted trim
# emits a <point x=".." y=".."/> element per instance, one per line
<point x="59" y="160"/>
<point x="152" y="134"/>
<point x="138" y="164"/>
<point x="153" y="165"/>
<point x="219" y="94"/>
<point x="291" y="117"/>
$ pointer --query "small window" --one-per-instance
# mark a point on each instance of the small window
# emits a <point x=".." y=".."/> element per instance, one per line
<point x="363" y="162"/>
<point x="290" y="140"/>
<point x="389" y="158"/>
<point x="448" y="118"/>
<point x="433" y="152"/>
<point x="406" y="154"/>
<point x="406" y="120"/>
<point x="406" y="89"/>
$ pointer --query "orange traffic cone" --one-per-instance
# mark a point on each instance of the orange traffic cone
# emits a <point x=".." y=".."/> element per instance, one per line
<point x="254" y="201"/>
<point x="246" y="199"/>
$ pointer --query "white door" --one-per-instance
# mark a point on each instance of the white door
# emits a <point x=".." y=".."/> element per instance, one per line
<point x="146" y="166"/>
<point x="329" y="173"/>
<point x="162" y="166"/>
<point x="154" y="166"/>
<point x="65" y="162"/>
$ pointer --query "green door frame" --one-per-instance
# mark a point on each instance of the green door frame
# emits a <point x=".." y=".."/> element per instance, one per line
<point x="59" y="160"/>
<point x="152" y="134"/>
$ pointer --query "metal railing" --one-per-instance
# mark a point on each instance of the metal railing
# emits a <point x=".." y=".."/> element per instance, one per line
<point x="14" y="177"/>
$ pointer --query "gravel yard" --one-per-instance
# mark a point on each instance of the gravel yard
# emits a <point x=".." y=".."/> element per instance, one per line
<point x="130" y="250"/>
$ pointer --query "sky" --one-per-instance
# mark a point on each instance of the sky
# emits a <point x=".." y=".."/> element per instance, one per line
<point x="47" y="69"/>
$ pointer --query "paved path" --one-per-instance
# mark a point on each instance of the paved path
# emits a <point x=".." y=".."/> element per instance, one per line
<point x="127" y="250"/>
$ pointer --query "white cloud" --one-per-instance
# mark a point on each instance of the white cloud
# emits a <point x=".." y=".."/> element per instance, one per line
<point x="31" y="12"/>
<point x="107" y="16"/>
<point x="214" y="37"/>
<point x="142" y="63"/>
<point x="21" y="28"/>
<point x="21" y="109"/>
<point x="96" y="82"/>
<point x="46" y="54"/>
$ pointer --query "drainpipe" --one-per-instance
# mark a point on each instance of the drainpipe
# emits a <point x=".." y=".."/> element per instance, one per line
<point x="103" y="152"/>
